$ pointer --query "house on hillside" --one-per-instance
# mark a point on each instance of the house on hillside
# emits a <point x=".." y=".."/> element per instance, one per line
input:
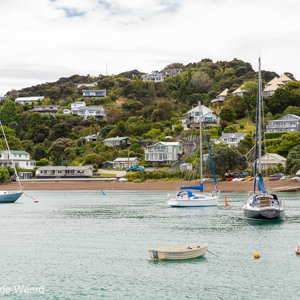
<point x="86" y="84"/>
<point x="43" y="109"/>
<point x="232" y="139"/>
<point x="163" y="153"/>
<point x="239" y="92"/>
<point x="94" y="93"/>
<point x="192" y="116"/>
<point x="274" y="84"/>
<point x="125" y="162"/>
<point x="287" y="123"/>
<point x="171" y="72"/>
<point x="28" y="100"/>
<point x="80" y="109"/>
<point x="116" y="141"/>
<point x="64" y="172"/>
<point x="21" y="159"/>
<point x="221" y="97"/>
<point x="92" y="137"/>
<point x="272" y="160"/>
<point x="156" y="77"/>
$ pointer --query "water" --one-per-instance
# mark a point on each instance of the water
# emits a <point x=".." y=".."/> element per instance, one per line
<point x="83" y="245"/>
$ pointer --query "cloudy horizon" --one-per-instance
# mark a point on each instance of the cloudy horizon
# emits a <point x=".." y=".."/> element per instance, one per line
<point x="44" y="40"/>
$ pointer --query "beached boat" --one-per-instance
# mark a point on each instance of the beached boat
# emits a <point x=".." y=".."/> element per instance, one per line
<point x="180" y="252"/>
<point x="193" y="195"/>
<point x="261" y="206"/>
<point x="10" y="196"/>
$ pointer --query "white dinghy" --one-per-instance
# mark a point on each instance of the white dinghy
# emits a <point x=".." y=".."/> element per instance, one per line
<point x="180" y="252"/>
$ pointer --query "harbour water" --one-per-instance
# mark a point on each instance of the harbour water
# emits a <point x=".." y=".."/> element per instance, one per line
<point x="85" y="245"/>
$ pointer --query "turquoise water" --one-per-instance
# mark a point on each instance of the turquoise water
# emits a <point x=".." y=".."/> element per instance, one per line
<point x="83" y="245"/>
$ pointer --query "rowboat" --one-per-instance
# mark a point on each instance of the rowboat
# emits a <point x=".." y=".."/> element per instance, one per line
<point x="180" y="252"/>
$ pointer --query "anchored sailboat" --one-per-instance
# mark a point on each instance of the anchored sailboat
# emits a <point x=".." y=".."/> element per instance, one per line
<point x="10" y="196"/>
<point x="193" y="195"/>
<point x="261" y="206"/>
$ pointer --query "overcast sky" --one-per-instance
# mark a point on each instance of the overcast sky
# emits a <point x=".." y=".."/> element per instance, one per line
<point x="43" y="40"/>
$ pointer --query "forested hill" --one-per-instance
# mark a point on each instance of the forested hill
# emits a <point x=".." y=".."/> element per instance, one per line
<point x="138" y="109"/>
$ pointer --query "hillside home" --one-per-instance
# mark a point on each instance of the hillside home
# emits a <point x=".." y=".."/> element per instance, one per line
<point x="239" y="92"/>
<point x="221" y="97"/>
<point x="21" y="159"/>
<point x="64" y="172"/>
<point x="92" y="137"/>
<point x="232" y="139"/>
<point x="163" y="153"/>
<point x="192" y="116"/>
<point x="94" y="93"/>
<point x="287" y="123"/>
<point x="171" y="72"/>
<point x="125" y="162"/>
<point x="274" y="84"/>
<point x="156" y="77"/>
<point x="86" y="84"/>
<point x="42" y="109"/>
<point x="28" y="100"/>
<point x="80" y="109"/>
<point x="116" y="141"/>
<point x="272" y="160"/>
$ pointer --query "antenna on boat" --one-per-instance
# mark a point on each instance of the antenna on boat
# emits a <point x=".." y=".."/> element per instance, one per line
<point x="200" y="142"/>
<point x="13" y="163"/>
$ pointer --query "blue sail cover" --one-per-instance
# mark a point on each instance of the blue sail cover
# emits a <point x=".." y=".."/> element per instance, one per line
<point x="197" y="187"/>
<point x="260" y="184"/>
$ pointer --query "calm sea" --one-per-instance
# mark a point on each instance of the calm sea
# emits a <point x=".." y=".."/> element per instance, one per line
<point x="85" y="245"/>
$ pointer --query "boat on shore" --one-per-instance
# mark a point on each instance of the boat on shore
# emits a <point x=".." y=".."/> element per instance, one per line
<point x="11" y="196"/>
<point x="180" y="252"/>
<point x="261" y="205"/>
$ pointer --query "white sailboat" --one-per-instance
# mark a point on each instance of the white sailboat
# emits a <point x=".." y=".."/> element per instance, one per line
<point x="260" y="205"/>
<point x="10" y="196"/>
<point x="193" y="195"/>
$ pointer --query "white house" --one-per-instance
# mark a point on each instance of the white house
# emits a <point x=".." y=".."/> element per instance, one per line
<point x="232" y="139"/>
<point x="64" y="171"/>
<point x="21" y="159"/>
<point x="239" y="92"/>
<point x="221" y="97"/>
<point x="42" y="109"/>
<point x="94" y="93"/>
<point x="80" y="109"/>
<point x="287" y="123"/>
<point x="192" y="116"/>
<point x="125" y="162"/>
<point x="163" y="153"/>
<point x="156" y="77"/>
<point x="116" y="141"/>
<point x="86" y="84"/>
<point x="92" y="137"/>
<point x="272" y="160"/>
<point x="28" y="100"/>
<point x="171" y="72"/>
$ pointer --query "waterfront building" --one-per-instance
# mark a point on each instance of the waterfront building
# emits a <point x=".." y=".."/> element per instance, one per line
<point x="21" y="159"/>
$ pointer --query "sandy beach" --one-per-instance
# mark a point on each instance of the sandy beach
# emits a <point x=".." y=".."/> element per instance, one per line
<point x="86" y="184"/>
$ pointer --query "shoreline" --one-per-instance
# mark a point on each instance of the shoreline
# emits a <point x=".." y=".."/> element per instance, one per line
<point x="85" y="184"/>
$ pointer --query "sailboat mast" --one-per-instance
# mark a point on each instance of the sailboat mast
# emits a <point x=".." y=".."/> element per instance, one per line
<point x="200" y="142"/>
<point x="259" y="116"/>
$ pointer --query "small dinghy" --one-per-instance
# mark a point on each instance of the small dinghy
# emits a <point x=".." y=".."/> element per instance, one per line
<point x="180" y="252"/>
<point x="297" y="250"/>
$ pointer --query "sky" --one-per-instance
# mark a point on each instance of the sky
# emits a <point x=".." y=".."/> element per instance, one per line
<point x="44" y="40"/>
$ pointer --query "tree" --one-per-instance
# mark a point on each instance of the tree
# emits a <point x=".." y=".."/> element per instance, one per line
<point x="238" y="104"/>
<point x="294" y="110"/>
<point x="279" y="101"/>
<point x="293" y="161"/>
<point x="8" y="113"/>
<point x="227" y="114"/>
<point x="227" y="159"/>
<point x="57" y="148"/>
<point x="4" y="174"/>
<point x="201" y="81"/>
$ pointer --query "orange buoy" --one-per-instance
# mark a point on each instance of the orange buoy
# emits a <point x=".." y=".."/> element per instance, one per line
<point x="256" y="255"/>
<point x="226" y="203"/>
<point x="297" y="250"/>
<point x="36" y="201"/>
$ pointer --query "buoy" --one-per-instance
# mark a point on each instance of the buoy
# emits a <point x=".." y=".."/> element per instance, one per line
<point x="256" y="255"/>
<point x="297" y="250"/>
<point x="226" y="203"/>
<point x="36" y="201"/>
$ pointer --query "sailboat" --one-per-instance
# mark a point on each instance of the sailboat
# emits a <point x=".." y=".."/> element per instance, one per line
<point x="260" y="205"/>
<point x="193" y="195"/>
<point x="10" y="196"/>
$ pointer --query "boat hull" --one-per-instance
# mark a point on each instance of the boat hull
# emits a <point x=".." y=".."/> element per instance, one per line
<point x="9" y="197"/>
<point x="174" y="253"/>
<point x="200" y="201"/>
<point x="267" y="214"/>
